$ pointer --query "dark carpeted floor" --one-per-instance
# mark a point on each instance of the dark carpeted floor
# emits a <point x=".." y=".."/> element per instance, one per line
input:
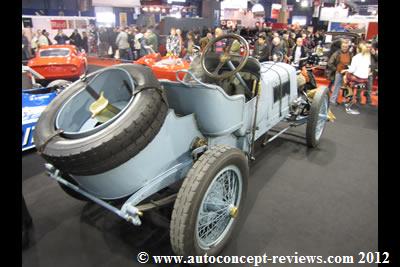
<point x="312" y="201"/>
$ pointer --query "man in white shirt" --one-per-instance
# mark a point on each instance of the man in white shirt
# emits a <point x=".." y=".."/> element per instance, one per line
<point x="360" y="66"/>
<point x="35" y="41"/>
<point x="43" y="40"/>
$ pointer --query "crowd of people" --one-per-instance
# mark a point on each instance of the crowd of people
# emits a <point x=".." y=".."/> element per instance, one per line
<point x="347" y="64"/>
<point x="41" y="38"/>
<point x="346" y="68"/>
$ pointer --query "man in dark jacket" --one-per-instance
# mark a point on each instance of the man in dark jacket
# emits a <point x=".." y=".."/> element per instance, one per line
<point x="104" y="44"/>
<point x="298" y="53"/>
<point x="85" y="42"/>
<point x="336" y="64"/>
<point x="25" y="47"/>
<point x="261" y="49"/>
<point x="151" y="39"/>
<point x="278" y="51"/>
<point x="76" y="39"/>
<point x="61" y="38"/>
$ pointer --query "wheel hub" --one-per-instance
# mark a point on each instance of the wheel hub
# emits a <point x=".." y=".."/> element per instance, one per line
<point x="233" y="212"/>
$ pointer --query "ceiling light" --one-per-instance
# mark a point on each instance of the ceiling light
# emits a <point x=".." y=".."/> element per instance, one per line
<point x="304" y="3"/>
<point x="257" y="8"/>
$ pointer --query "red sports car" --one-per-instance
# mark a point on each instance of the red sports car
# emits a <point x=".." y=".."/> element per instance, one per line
<point x="59" y="62"/>
<point x="164" y="67"/>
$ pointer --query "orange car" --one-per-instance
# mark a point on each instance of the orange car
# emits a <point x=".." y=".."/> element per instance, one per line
<point x="59" y="62"/>
<point x="164" y="67"/>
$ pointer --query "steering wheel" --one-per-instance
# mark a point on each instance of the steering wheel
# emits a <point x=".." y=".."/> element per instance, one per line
<point x="226" y="56"/>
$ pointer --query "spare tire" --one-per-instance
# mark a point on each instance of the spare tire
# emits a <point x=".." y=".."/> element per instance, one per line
<point x="58" y="134"/>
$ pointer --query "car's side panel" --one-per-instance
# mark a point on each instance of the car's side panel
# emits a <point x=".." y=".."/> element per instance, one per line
<point x="169" y="149"/>
<point x="275" y="97"/>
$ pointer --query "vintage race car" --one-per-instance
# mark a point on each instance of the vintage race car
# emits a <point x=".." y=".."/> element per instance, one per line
<point x="122" y="134"/>
<point x="34" y="101"/>
<point x="59" y="62"/>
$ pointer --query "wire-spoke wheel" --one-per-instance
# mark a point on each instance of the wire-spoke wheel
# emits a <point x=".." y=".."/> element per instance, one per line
<point x="318" y="117"/>
<point x="219" y="207"/>
<point x="209" y="203"/>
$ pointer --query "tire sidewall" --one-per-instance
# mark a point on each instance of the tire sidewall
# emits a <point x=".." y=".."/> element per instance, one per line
<point x="128" y="134"/>
<point x="233" y="157"/>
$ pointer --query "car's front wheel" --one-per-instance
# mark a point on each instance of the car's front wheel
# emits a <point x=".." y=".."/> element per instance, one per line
<point x="318" y="117"/>
<point x="209" y="202"/>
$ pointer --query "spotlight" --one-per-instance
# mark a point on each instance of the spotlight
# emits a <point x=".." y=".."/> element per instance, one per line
<point x="257" y="8"/>
<point x="151" y="9"/>
<point x="304" y="3"/>
<point x="163" y="10"/>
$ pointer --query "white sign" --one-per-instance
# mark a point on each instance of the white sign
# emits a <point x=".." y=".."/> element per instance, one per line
<point x="234" y="4"/>
<point x="105" y="16"/>
<point x="116" y="3"/>
<point x="300" y="20"/>
<point x="177" y="1"/>
<point x="330" y="13"/>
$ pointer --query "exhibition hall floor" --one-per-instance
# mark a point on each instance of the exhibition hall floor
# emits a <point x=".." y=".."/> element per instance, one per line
<point x="320" y="201"/>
